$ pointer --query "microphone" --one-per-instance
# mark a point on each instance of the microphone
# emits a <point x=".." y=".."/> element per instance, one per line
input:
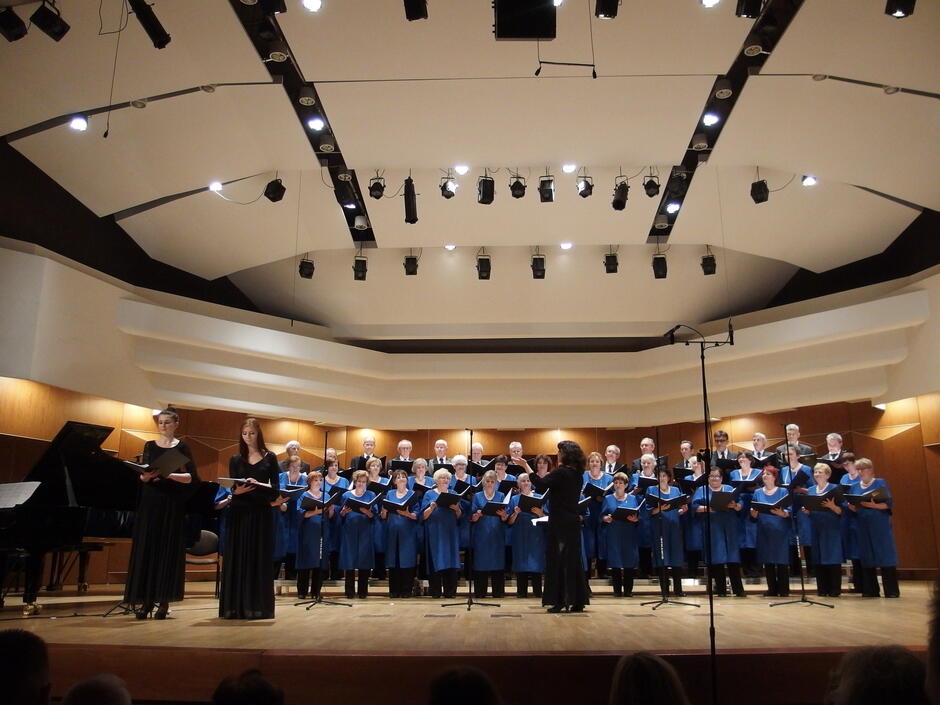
<point x="671" y="334"/>
<point x="730" y="333"/>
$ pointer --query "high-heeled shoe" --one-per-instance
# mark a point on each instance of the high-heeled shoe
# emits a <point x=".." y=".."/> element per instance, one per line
<point x="162" y="611"/>
<point x="143" y="611"/>
<point x="554" y="609"/>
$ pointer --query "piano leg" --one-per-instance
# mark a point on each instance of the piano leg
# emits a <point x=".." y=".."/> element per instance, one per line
<point x="32" y="580"/>
<point x="83" y="557"/>
<point x="56" y="570"/>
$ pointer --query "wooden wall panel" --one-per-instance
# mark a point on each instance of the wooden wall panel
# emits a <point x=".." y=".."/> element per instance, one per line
<point x="928" y="410"/>
<point x="904" y="469"/>
<point x="210" y="423"/>
<point x="932" y="474"/>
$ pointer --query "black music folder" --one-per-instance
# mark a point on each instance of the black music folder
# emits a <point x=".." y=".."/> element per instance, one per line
<point x="466" y="489"/>
<point x="771" y="458"/>
<point x="405" y="465"/>
<point x="624" y="513"/>
<point x="493" y="506"/>
<point x="595" y="492"/>
<point x="815" y="502"/>
<point x="726" y="464"/>
<point x="392" y="506"/>
<point x="477" y="469"/>
<point x="421" y="489"/>
<point x="308" y="503"/>
<point x="720" y="500"/>
<point x="448" y="499"/>
<point x="354" y="503"/>
<point x="688" y="485"/>
<point x="379" y="487"/>
<point x="747" y="485"/>
<point x="529" y="502"/>
<point x="644" y="483"/>
<point x="876" y="495"/>
<point x="507" y="486"/>
<point x="768" y="507"/>
<point x="169" y="462"/>
<point x="667" y="505"/>
<point x="800" y="479"/>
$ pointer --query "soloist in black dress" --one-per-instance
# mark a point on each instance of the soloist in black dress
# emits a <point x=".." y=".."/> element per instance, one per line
<point x="157" y="568"/>
<point x="247" y="585"/>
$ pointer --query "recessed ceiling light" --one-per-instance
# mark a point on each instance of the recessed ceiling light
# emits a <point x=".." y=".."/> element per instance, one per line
<point x="461" y="169"/>
<point x="316" y="124"/>
<point x="569" y="168"/>
<point x="450" y="248"/>
<point x="710" y="3"/>
<point x="557" y="3"/>
<point x="809" y="180"/>
<point x="672" y="207"/>
<point x="215" y="186"/>
<point x="79" y="123"/>
<point x="566" y="245"/>
<point x="350" y="206"/>
<point x="710" y="119"/>
<point x="313" y="5"/>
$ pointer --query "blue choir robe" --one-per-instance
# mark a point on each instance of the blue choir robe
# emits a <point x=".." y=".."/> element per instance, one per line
<point x="528" y="541"/>
<point x="288" y="522"/>
<point x="488" y="536"/>
<point x="419" y="527"/>
<point x="645" y="533"/>
<point x="849" y="521"/>
<point x="594" y="538"/>
<point x="693" y="532"/>
<point x="356" y="551"/>
<point x="748" y="528"/>
<point x="221" y="494"/>
<point x="508" y="529"/>
<point x="668" y="526"/>
<point x="309" y="532"/>
<point x="401" y="533"/>
<point x="463" y="524"/>
<point x="827" y="532"/>
<point x="875" y="534"/>
<point x="725" y="545"/>
<point x="442" y="536"/>
<point x="773" y="532"/>
<point x="335" y="534"/>
<point x="803" y="524"/>
<point x="378" y="527"/>
<point x="622" y="545"/>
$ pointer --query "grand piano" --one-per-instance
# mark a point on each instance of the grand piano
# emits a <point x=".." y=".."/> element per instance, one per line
<point x="83" y="491"/>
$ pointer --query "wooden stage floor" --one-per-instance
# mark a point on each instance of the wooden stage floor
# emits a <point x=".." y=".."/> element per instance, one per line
<point x="377" y="641"/>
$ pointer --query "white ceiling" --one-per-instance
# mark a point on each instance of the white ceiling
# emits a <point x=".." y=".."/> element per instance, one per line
<point x="422" y="96"/>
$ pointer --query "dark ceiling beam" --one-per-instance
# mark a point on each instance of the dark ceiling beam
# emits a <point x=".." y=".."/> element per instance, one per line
<point x="264" y="31"/>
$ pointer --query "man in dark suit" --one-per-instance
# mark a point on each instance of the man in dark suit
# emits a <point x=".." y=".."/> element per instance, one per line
<point x="793" y="439"/>
<point x="647" y="445"/>
<point x="440" y="454"/>
<point x="368" y="451"/>
<point x="688" y="456"/>
<point x="833" y="447"/>
<point x="612" y="463"/>
<point x="721" y="451"/>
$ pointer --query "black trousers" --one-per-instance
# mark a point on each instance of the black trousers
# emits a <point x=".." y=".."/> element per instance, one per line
<point x="828" y="580"/>
<point x="749" y="562"/>
<point x="856" y="578"/>
<point x="288" y="561"/>
<point x="692" y="559"/>
<point x="496" y="577"/>
<point x="622" y="579"/>
<point x="778" y="579"/>
<point x="400" y="582"/>
<point x="889" y="580"/>
<point x="444" y="583"/>
<point x="309" y="582"/>
<point x="522" y="584"/>
<point x="378" y="572"/>
<point x="795" y="560"/>
<point x="732" y="571"/>
<point x="676" y="571"/>
<point x="363" y="590"/>
<point x="646" y="562"/>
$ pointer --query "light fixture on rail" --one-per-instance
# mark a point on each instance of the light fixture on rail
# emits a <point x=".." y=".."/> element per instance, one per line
<point x="327" y="143"/>
<point x="360" y="267"/>
<point x="547" y="188"/>
<point x="748" y="8"/>
<point x="484" y="266"/>
<point x="416" y="10"/>
<point x="376" y="186"/>
<point x="11" y="26"/>
<point x="722" y="89"/>
<point x="48" y="18"/>
<point x="312" y="5"/>
<point x="754" y="46"/>
<point x="621" y="193"/>
<point x="809" y="180"/>
<point x="673" y="207"/>
<point x="585" y="186"/>
<point x="606" y="9"/>
<point x="305" y="268"/>
<point x="900" y="8"/>
<point x="316" y="123"/>
<point x="448" y="186"/>
<point x="306" y="96"/>
<point x="538" y="266"/>
<point x="661" y="221"/>
<point x="760" y="192"/>
<point x="144" y="14"/>
<point x="699" y="142"/>
<point x="411" y="202"/>
<point x="517" y="186"/>
<point x="651" y="185"/>
<point x="273" y="7"/>
<point x="79" y="122"/>
<point x="611" y="263"/>
<point x="659" y="265"/>
<point x="711" y="118"/>
<point x="410" y="264"/>
<point x="486" y="189"/>
<point x="275" y="190"/>
<point x="709" y="264"/>
<point x="278" y="52"/>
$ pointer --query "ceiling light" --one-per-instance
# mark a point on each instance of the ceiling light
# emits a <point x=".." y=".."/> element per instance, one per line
<point x="809" y="180"/>
<point x="411" y="265"/>
<point x="659" y="266"/>
<point x="312" y="5"/>
<point x="305" y="268"/>
<point x="538" y="266"/>
<point x="139" y="103"/>
<point x="722" y="89"/>
<point x="484" y="267"/>
<point x="450" y="248"/>
<point x="144" y="14"/>
<point x="880" y="407"/>
<point x="566" y="245"/>
<point x="753" y="46"/>
<point x="661" y="221"/>
<point x="585" y="186"/>
<point x="344" y="175"/>
<point x="486" y="190"/>
<point x="360" y="222"/>
<point x="606" y="9"/>
<point x="448" y="187"/>
<point x="416" y="10"/>
<point x="557" y="3"/>
<point x="360" y="268"/>
<point x="651" y="186"/>
<point x="900" y="8"/>
<point x="569" y="168"/>
<point x="710" y="119"/>
<point x="890" y="90"/>
<point x="672" y="207"/>
<point x="327" y="143"/>
<point x="759" y="191"/>
<point x="274" y="191"/>
<point x="820" y="76"/>
<point x="48" y="18"/>
<point x="748" y="8"/>
<point x="350" y="206"/>
<point x="517" y="187"/>
<point x="307" y="96"/>
<point x="215" y="186"/>
<point x="710" y="3"/>
<point x="621" y="193"/>
<point x="461" y="169"/>
<point x="79" y="123"/>
<point x="699" y="141"/>
<point x="278" y="52"/>
<point x="411" y="202"/>
<point x="709" y="265"/>
<point x="11" y="26"/>
<point x="610" y="263"/>
<point x="316" y="123"/>
<point x="376" y="187"/>
<point x="546" y="189"/>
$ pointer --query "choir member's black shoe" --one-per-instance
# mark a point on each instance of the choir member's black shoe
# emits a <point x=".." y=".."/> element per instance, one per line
<point x="740" y="594"/>
<point x="576" y="608"/>
<point x="393" y="596"/>
<point x="628" y="594"/>
<point x="618" y="593"/>
<point x="451" y="596"/>
<point x="162" y="611"/>
<point x="768" y="593"/>
<point x="301" y="596"/>
<point x="681" y="593"/>
<point x="893" y="594"/>
<point x="554" y="609"/>
<point x="143" y="611"/>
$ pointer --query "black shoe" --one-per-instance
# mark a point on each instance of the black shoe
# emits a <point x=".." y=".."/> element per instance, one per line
<point x="554" y="609"/>
<point x="740" y="594"/>
<point x="681" y="593"/>
<point x="576" y="608"/>
<point x="618" y="593"/>
<point x="628" y="594"/>
<point x="893" y="594"/>
<point x="143" y="611"/>
<point x="768" y="593"/>
<point x="162" y="612"/>
<point x="393" y="596"/>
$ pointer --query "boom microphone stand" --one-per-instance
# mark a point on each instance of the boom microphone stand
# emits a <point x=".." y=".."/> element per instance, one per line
<point x="663" y="575"/>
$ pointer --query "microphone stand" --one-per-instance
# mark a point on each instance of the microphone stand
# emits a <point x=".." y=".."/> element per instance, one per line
<point x="804" y="600"/>
<point x="318" y="596"/>
<point x="663" y="576"/>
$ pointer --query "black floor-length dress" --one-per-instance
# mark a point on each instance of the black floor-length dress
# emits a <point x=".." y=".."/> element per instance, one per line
<point x="157" y="569"/>
<point x="247" y="585"/>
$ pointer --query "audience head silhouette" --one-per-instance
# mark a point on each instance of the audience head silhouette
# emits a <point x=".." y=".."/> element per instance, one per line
<point x="249" y="688"/>
<point x="463" y="686"/>
<point x="876" y="675"/>
<point x="24" y="668"/>
<point x="643" y="678"/>
<point x="103" y="689"/>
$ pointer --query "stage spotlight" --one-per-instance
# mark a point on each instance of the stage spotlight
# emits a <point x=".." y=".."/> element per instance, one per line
<point x="621" y="193"/>
<point x="305" y="268"/>
<point x="215" y="186"/>
<point x="278" y="52"/>
<point x="610" y="263"/>
<point x="11" y="26"/>
<point x="699" y="141"/>
<point x="517" y="187"/>
<point x="360" y="222"/>
<point x="606" y="9"/>
<point x="79" y="123"/>
<point x="809" y="180"/>
<point x="759" y="191"/>
<point x="753" y="46"/>
<point x="274" y="191"/>
<point x="376" y="187"/>
<point x="360" y="268"/>
<point x="546" y="189"/>
<point x="411" y="202"/>
<point x="144" y="14"/>
<point x="659" y="266"/>
<point x="900" y="8"/>
<point x="411" y="265"/>
<point x="450" y="247"/>
<point x="748" y="8"/>
<point x="461" y="169"/>
<point x="306" y="96"/>
<point x="710" y="3"/>
<point x="316" y="124"/>
<point x="327" y="143"/>
<point x="416" y="10"/>
<point x="569" y="168"/>
<point x="710" y="118"/>
<point x="722" y="89"/>
<point x="673" y="207"/>
<point x="709" y="266"/>
<point x="661" y="222"/>
<point x="484" y="267"/>
<point x="486" y="190"/>
<point x="651" y="186"/>
<point x="448" y="187"/>
<point x="585" y="186"/>
<point x="312" y="5"/>
<point x="538" y="266"/>
<point x="48" y="18"/>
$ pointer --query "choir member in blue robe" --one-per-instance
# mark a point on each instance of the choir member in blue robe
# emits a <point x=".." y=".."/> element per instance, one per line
<point x="442" y="537"/>
<point x="356" y="551"/>
<point x="463" y="523"/>
<point x="421" y="478"/>
<point x="500" y="466"/>
<point x="331" y="479"/>
<point x="803" y="527"/>
<point x="622" y="553"/>
<point x="488" y="539"/>
<point x="288" y="519"/>
<point x="750" y="469"/>
<point x="875" y="534"/>
<point x="692" y="537"/>
<point x="667" y="531"/>
<point x="773" y="535"/>
<point x="594" y="538"/>
<point x="827" y="535"/>
<point x="723" y="551"/>
<point x="528" y="541"/>
<point x="374" y="468"/>
<point x="401" y="537"/>
<point x="313" y="556"/>
<point x="644" y="534"/>
<point x="850" y="521"/>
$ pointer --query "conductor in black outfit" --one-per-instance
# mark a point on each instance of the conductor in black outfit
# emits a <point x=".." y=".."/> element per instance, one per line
<point x="565" y="587"/>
